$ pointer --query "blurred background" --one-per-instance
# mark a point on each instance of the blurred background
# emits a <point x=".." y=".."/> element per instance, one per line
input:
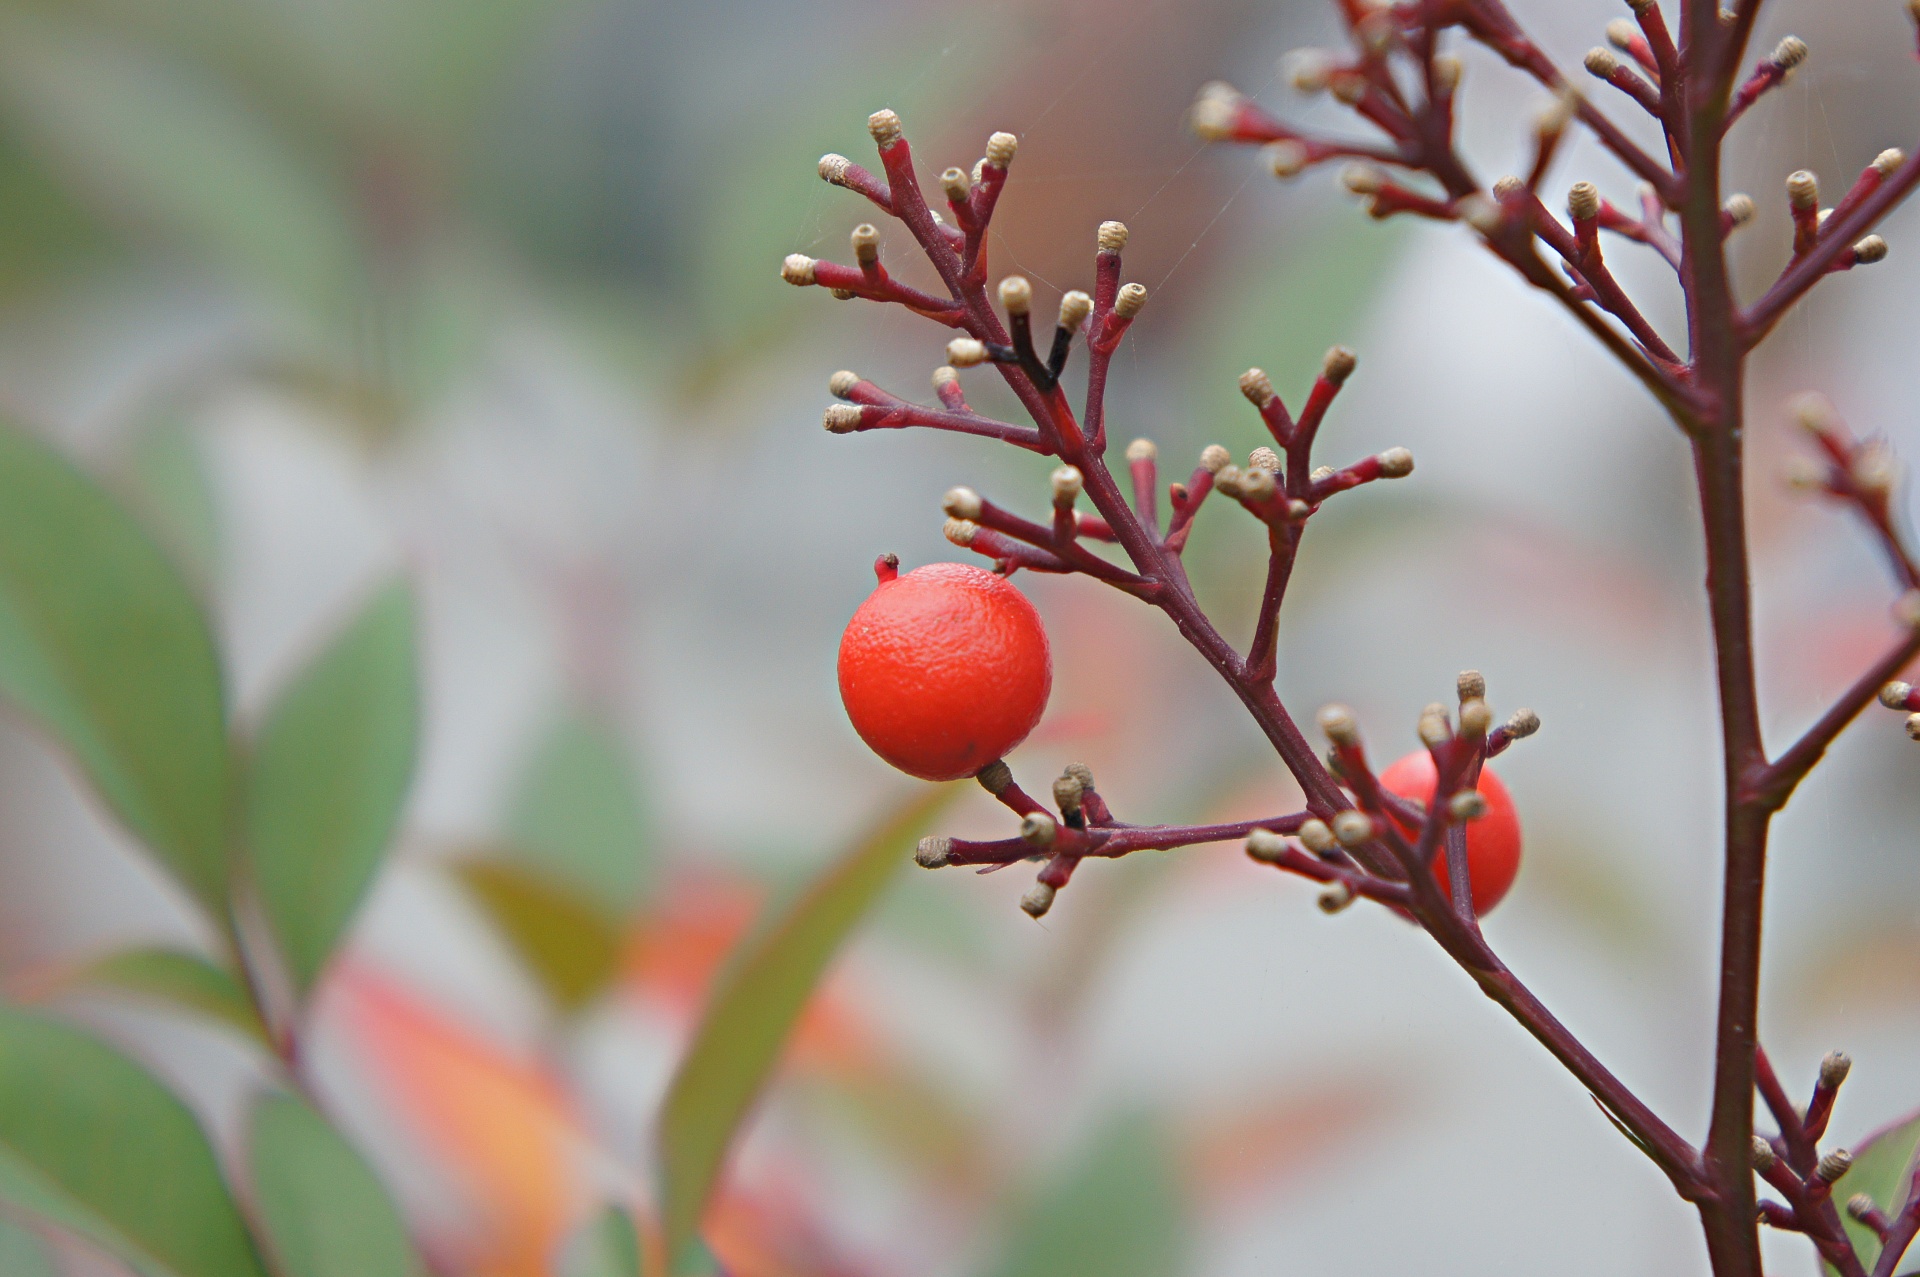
<point x="487" y="293"/>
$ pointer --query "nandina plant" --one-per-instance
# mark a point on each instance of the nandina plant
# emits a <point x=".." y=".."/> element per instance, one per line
<point x="1435" y="838"/>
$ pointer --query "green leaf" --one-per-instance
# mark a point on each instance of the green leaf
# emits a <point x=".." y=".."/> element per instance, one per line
<point x="102" y="643"/>
<point x="577" y="815"/>
<point x="1883" y="1166"/>
<point x="329" y="777"/>
<point x="1116" y="1210"/>
<point x="21" y="1254"/>
<point x="324" y="1213"/>
<point x="605" y="1246"/>
<point x="174" y="490"/>
<point x="181" y="979"/>
<point x="569" y="945"/>
<point x="91" y="1142"/>
<point x="755" y="1004"/>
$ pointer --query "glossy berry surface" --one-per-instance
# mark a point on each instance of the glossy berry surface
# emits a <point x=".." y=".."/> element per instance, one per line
<point x="1493" y="841"/>
<point x="944" y="669"/>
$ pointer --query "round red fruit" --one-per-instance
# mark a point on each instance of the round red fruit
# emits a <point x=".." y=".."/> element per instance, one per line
<point x="1493" y="841"/>
<point x="944" y="669"/>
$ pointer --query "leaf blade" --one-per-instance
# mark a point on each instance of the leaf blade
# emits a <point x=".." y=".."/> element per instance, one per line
<point x="754" y="1007"/>
<point x="330" y="772"/>
<point x="180" y="979"/>
<point x="1882" y="1167"/>
<point x="104" y="645"/>
<point x="323" y="1211"/>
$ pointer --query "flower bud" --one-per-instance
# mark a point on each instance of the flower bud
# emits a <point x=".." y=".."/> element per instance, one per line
<point x="959" y="531"/>
<point x="1335" y="897"/>
<point x="1214" y="458"/>
<point x="1016" y="295"/>
<point x="944" y="376"/>
<point x="1889" y="160"/>
<point x="1447" y="71"/>
<point x="1468" y="804"/>
<point x="841" y="384"/>
<point x="1112" y="237"/>
<point x="866" y="244"/>
<point x="955" y="183"/>
<point x="1363" y="179"/>
<point x="1338" y="364"/>
<point x="1075" y="306"/>
<point x="1476" y="717"/>
<point x="1132" y="298"/>
<point x="1833" y="1165"/>
<point x="1738" y="208"/>
<point x="1213" y="112"/>
<point x="1834" y="1067"/>
<point x="1256" y="484"/>
<point x="1471" y="685"/>
<point x="833" y="167"/>
<point x="1000" y="148"/>
<point x="1257" y="387"/>
<point x="1481" y="213"/>
<point x="1790" y="52"/>
<point x="1803" y="190"/>
<point x="1352" y="827"/>
<point x="995" y="776"/>
<point x="1861" y="1205"/>
<point x="1523" y="724"/>
<point x="842" y="418"/>
<point x="1264" y="459"/>
<point x="1906" y="609"/>
<point x="1285" y="158"/>
<point x="797" y="269"/>
<point x="1038" y="900"/>
<point x="1622" y="33"/>
<point x="1395" y="463"/>
<point x="1082" y="773"/>
<point x="1913" y="726"/>
<point x="962" y="503"/>
<point x="1142" y="450"/>
<point x="1266" y="846"/>
<point x="1038" y="829"/>
<point x="1601" y="62"/>
<point x="933" y="852"/>
<point x="1583" y="201"/>
<point x="1308" y="70"/>
<point x="1318" y="838"/>
<point x="1338" y="723"/>
<point x="1763" y="1157"/>
<point x="965" y="352"/>
<point x="1869" y="250"/>
<point x="1067" y="793"/>
<point x="1432" y="728"/>
<point x="1068" y="483"/>
<point x="1320" y="473"/>
<point x="884" y="125"/>
<point x="1894" y="695"/>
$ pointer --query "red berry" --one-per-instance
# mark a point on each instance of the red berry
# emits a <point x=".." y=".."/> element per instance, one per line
<point x="944" y="670"/>
<point x="1493" y="841"/>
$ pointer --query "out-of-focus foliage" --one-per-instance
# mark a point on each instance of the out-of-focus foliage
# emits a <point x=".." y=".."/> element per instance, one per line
<point x="323" y="1212"/>
<point x="1883" y="1167"/>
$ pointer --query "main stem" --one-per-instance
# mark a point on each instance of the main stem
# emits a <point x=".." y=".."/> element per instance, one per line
<point x="1718" y="365"/>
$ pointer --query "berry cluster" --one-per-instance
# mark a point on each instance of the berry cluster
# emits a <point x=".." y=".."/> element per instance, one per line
<point x="1434" y="836"/>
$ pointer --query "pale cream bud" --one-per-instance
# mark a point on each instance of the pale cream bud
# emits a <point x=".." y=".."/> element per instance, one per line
<point x="1803" y="190"/>
<point x="1554" y="118"/>
<point x="1082" y="773"/>
<point x="954" y="182"/>
<point x="1338" y="722"/>
<point x="1447" y="71"/>
<point x="1861" y="1205"/>
<point x="1523" y="724"/>
<point x="1067" y="793"/>
<point x="842" y="418"/>
<point x="1834" y="1067"/>
<point x="1338" y="365"/>
<point x="1875" y="469"/>
<point x="1132" y="298"/>
<point x="1471" y="685"/>
<point x="962" y="503"/>
<point x="1395" y="463"/>
<point x="1583" y="201"/>
<point x="1112" y="237"/>
<point x="1285" y="158"/>
<point x="866" y="244"/>
<point x="1257" y="387"/>
<point x="1889" y="160"/>
<point x="1763" y="1158"/>
<point x="1067" y="485"/>
<point x="1226" y="480"/>
<point x="978" y="165"/>
<point x="1264" y="458"/>
<point x="933" y="852"/>
<point x="1432" y="727"/>
<point x="1142" y="450"/>
<point x="1506" y="188"/>
<point x="1363" y="179"/>
<point x="1214" y="458"/>
<point x="1813" y="414"/>
<point x="833" y="168"/>
<point x="1016" y="295"/>
<point x="797" y="269"/>
<point x="1075" y="306"/>
<point x="995" y="777"/>
<point x="960" y="531"/>
<point x="1894" y="695"/>
<point x="945" y="375"/>
<point x="1038" y="829"/>
<point x="1913" y="726"/>
<point x="1317" y="837"/>
<point x="1335" y="897"/>
<point x="1037" y="900"/>
<point x="1869" y="250"/>
<point x="842" y="294"/>
<point x="884" y="125"/>
<point x="1308" y="70"/>
<point x="1790" y="52"/>
<point x="1266" y="846"/>
<point x="1349" y="88"/>
<point x="1601" y="62"/>
<point x="1739" y="208"/>
<point x="1000" y="148"/>
<point x="1476" y="717"/>
<point x="1257" y="484"/>
<point x="1468" y="804"/>
<point x="965" y="352"/>
<point x="1352" y="828"/>
<point x="841" y="384"/>
<point x="1621" y="33"/>
<point x="1320" y="473"/>
<point x="1212" y="115"/>
<point x="1906" y="609"/>
<point x="1834" y="1165"/>
<point x="1480" y="213"/>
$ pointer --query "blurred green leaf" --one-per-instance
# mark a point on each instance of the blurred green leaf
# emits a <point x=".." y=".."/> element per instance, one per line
<point x="102" y="642"/>
<point x="94" y="1144"/>
<point x="158" y="143"/>
<point x="755" y="1004"/>
<point x="182" y="979"/>
<point x="324" y="1214"/>
<point x="577" y="815"/>
<point x="329" y="777"/>
<point x="605" y="1246"/>
<point x="1116" y="1210"/>
<point x="572" y="947"/>
<point x="175" y="492"/>
<point x="21" y="1254"/>
<point x="1883" y="1166"/>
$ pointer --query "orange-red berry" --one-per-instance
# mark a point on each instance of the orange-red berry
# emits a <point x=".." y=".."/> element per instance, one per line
<point x="1493" y="840"/>
<point x="944" y="670"/>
